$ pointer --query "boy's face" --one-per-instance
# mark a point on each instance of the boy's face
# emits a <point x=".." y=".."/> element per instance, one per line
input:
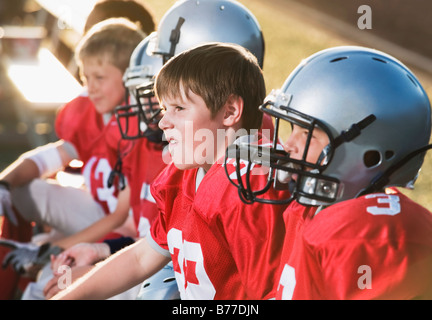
<point x="296" y="142"/>
<point x="104" y="84"/>
<point x="191" y="131"/>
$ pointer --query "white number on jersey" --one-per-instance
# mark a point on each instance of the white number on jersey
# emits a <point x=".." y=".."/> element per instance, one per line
<point x="388" y="204"/>
<point x="287" y="282"/>
<point x="96" y="173"/>
<point x="188" y="262"/>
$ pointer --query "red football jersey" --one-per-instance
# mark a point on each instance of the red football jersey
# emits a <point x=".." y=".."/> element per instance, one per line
<point x="141" y="164"/>
<point x="221" y="248"/>
<point x="78" y="123"/>
<point x="267" y="127"/>
<point x="377" y="246"/>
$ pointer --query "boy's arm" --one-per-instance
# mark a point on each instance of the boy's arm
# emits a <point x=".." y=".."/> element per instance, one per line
<point x="118" y="273"/>
<point x="33" y="164"/>
<point x="50" y="157"/>
<point x="100" y="228"/>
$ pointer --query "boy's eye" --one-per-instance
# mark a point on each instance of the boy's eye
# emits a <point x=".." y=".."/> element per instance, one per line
<point x="305" y="133"/>
<point x="178" y="108"/>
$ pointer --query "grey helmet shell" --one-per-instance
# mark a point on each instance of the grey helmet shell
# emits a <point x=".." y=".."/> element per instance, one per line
<point x="190" y="23"/>
<point x="343" y="85"/>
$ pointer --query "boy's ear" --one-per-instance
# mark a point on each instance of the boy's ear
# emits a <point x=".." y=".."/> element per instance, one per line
<point x="233" y="110"/>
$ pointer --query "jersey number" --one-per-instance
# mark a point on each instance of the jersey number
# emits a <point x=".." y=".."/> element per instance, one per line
<point x="96" y="173"/>
<point x="388" y="204"/>
<point x="287" y="283"/>
<point x="188" y="262"/>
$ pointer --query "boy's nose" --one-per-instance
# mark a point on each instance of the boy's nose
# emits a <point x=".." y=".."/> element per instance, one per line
<point x="164" y="122"/>
<point x="91" y="87"/>
<point x="290" y="145"/>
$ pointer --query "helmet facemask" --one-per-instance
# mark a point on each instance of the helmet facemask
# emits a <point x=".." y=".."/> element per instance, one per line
<point x="306" y="181"/>
<point x="140" y="116"/>
<point x="134" y="119"/>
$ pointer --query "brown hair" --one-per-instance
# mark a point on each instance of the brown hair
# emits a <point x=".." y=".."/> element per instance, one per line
<point x="112" y="40"/>
<point x="131" y="10"/>
<point x="215" y="71"/>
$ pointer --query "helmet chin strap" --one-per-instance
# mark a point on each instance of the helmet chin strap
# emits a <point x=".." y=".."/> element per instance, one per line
<point x="345" y="136"/>
<point x="354" y="131"/>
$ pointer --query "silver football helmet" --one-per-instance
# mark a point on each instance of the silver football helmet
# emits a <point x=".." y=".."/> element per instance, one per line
<point x="377" y="117"/>
<point x="143" y="108"/>
<point x="189" y="23"/>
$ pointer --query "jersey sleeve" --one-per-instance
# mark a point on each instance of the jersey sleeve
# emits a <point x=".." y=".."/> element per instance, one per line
<point x="69" y="117"/>
<point x="66" y="123"/>
<point x="160" y="190"/>
<point x="78" y="123"/>
<point x="158" y="232"/>
<point x="153" y="240"/>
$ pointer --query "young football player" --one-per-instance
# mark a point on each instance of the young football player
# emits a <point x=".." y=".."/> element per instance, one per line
<point x="145" y="63"/>
<point x="140" y="162"/>
<point x="361" y="124"/>
<point x="218" y="245"/>
<point x="103" y="9"/>
<point x="85" y="128"/>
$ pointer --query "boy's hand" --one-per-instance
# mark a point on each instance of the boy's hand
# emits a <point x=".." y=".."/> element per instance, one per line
<point x="53" y="286"/>
<point x="27" y="258"/>
<point x="80" y="255"/>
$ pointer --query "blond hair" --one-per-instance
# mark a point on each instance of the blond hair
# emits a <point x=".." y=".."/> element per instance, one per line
<point x="112" y="40"/>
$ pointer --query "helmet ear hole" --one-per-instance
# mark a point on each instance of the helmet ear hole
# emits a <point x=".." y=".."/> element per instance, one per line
<point x="371" y="158"/>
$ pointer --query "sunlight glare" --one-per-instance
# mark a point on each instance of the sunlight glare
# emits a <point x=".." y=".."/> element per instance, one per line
<point x="45" y="82"/>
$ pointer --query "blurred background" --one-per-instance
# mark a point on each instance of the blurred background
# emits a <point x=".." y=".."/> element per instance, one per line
<point x="38" y="73"/>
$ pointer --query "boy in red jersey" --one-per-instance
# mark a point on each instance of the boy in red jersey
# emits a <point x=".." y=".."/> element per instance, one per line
<point x="218" y="245"/>
<point x="145" y="62"/>
<point x="141" y="161"/>
<point x="361" y="123"/>
<point x="85" y="127"/>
